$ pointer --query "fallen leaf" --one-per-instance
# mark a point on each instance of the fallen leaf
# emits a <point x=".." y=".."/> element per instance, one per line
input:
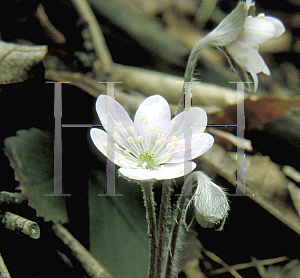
<point x="31" y="155"/>
<point x="16" y="61"/>
<point x="258" y="110"/>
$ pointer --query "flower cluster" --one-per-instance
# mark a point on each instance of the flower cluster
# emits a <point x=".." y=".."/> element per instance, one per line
<point x="152" y="147"/>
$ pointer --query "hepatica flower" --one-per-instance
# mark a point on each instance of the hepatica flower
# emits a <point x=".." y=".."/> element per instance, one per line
<point x="244" y="50"/>
<point x="152" y="147"/>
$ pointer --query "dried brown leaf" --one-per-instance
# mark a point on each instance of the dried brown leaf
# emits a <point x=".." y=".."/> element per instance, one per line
<point x="17" y="60"/>
<point x="258" y="110"/>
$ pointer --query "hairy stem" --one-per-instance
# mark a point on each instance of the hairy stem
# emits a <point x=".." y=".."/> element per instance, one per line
<point x="175" y="230"/>
<point x="163" y="216"/>
<point x="152" y="230"/>
<point x="190" y="68"/>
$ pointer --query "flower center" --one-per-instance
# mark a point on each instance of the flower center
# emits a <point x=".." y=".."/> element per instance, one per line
<point x="146" y="159"/>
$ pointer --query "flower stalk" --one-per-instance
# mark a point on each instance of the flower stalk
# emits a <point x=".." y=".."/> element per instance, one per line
<point x="151" y="219"/>
<point x="162" y="232"/>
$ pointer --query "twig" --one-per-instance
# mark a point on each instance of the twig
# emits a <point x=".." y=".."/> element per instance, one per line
<point x="3" y="269"/>
<point x="163" y="215"/>
<point x="17" y="223"/>
<point x="92" y="267"/>
<point x="151" y="219"/>
<point x="100" y="46"/>
<point x="11" y="197"/>
<point x="48" y="27"/>
<point x="250" y="264"/>
<point x="218" y="260"/>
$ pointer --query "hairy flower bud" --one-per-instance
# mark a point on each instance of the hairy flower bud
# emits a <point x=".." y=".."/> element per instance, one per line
<point x="209" y="203"/>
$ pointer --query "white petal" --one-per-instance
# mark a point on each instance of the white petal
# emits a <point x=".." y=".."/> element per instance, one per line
<point x="111" y="117"/>
<point x="266" y="70"/>
<point x="99" y="138"/>
<point x="156" y="111"/>
<point x="279" y="27"/>
<point x="200" y="143"/>
<point x="115" y="114"/>
<point x="195" y="118"/>
<point x="246" y="57"/>
<point x="170" y="171"/>
<point x="256" y="31"/>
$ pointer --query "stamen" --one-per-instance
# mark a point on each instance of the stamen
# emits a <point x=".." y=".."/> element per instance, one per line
<point x="130" y="140"/>
<point x="163" y="141"/>
<point x="162" y="167"/>
<point x="120" y="158"/>
<point x="115" y="136"/>
<point x="133" y="165"/>
<point x="167" y="158"/>
<point x="116" y="146"/>
<point x="175" y="144"/>
<point x="142" y="118"/>
<point x="181" y="170"/>
<point x="144" y="165"/>
<point x="119" y="125"/>
<point x="131" y="128"/>
<point x="169" y="146"/>
<point x="140" y="139"/>
<point x="158" y="131"/>
<point x="172" y="123"/>
<point x="174" y="139"/>
<point x="157" y="143"/>
<point x="127" y="152"/>
<point x="261" y="15"/>
<point x="151" y="129"/>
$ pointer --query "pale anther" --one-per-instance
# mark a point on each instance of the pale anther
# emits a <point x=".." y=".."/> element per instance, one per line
<point x="181" y="170"/>
<point x="169" y="146"/>
<point x="116" y="145"/>
<point x="175" y="144"/>
<point x="162" y="167"/>
<point x="144" y="165"/>
<point x="142" y="118"/>
<point x="158" y="131"/>
<point x="115" y="136"/>
<point x="127" y="152"/>
<point x="130" y="140"/>
<point x="151" y="129"/>
<point x="121" y="164"/>
<point x="167" y="157"/>
<point x="133" y="165"/>
<point x="158" y="142"/>
<point x="120" y="158"/>
<point x="119" y="125"/>
<point x="163" y="141"/>
<point x="172" y="123"/>
<point x="174" y="139"/>
<point x="140" y="139"/>
<point x="131" y="128"/>
<point x="261" y="15"/>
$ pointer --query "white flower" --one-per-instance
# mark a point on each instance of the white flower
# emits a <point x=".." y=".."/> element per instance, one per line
<point x="152" y="146"/>
<point x="244" y="50"/>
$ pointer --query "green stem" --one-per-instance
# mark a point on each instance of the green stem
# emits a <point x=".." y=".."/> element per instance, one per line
<point x="190" y="68"/>
<point x="175" y="230"/>
<point x="163" y="217"/>
<point x="152" y="230"/>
